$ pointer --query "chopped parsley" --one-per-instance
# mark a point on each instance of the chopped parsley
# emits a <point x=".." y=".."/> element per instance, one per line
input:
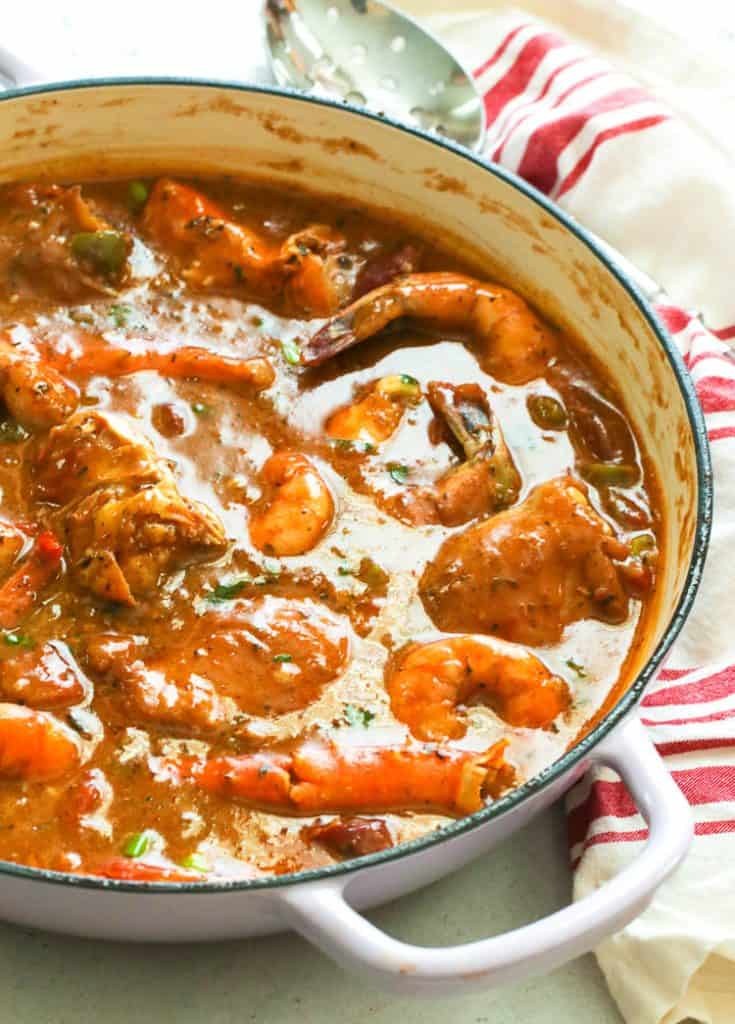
<point x="291" y="351"/>
<point x="120" y="314"/>
<point x="576" y="667"/>
<point x="227" y="591"/>
<point x="12" y="432"/>
<point x="356" y="716"/>
<point x="344" y="444"/>
<point x="201" y="408"/>
<point x="399" y="472"/>
<point x="344" y="570"/>
<point x="282" y="658"/>
<point x="137" y="845"/>
<point x="196" y="862"/>
<point x="18" y="640"/>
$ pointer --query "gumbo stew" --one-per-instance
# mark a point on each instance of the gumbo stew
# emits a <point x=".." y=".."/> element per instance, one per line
<point x="311" y="538"/>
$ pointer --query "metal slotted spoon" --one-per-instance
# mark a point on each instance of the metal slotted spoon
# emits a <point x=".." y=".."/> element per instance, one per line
<point x="366" y="53"/>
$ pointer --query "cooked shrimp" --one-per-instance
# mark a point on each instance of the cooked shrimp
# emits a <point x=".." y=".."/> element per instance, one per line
<point x="514" y="345"/>
<point x="319" y="777"/>
<point x="34" y="392"/>
<point x="21" y="591"/>
<point x="296" y="509"/>
<point x="34" y="745"/>
<point x="93" y="355"/>
<point x="377" y="412"/>
<point x="216" y="251"/>
<point x="431" y="681"/>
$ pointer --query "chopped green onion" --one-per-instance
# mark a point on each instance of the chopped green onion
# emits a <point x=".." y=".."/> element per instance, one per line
<point x="17" y="640"/>
<point x="291" y="351"/>
<point x="546" y="412"/>
<point x="364" y="447"/>
<point x="105" y="250"/>
<point x="610" y="474"/>
<point x="137" y="196"/>
<point x="272" y="566"/>
<point x="358" y="716"/>
<point x="201" y="408"/>
<point x="226" y="591"/>
<point x="282" y="658"/>
<point x="576" y="667"/>
<point x="398" y="472"/>
<point x="120" y="314"/>
<point x="642" y="543"/>
<point x="12" y="432"/>
<point x="196" y="862"/>
<point x="344" y="570"/>
<point x="401" y="385"/>
<point x="137" y="845"/>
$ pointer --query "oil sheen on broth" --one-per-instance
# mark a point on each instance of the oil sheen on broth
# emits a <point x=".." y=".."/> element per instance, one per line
<point x="311" y="540"/>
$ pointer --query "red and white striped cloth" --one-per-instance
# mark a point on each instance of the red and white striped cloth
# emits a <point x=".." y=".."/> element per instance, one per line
<point x="625" y="166"/>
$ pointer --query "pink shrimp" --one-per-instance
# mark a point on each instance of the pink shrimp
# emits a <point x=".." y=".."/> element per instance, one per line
<point x="515" y="346"/>
<point x="431" y="680"/>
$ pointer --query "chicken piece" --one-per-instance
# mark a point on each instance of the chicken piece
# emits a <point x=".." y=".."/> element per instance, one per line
<point x="215" y="252"/>
<point x="527" y="573"/>
<point x="262" y="657"/>
<point x="52" y="241"/>
<point x="123" y="518"/>
<point x="48" y="677"/>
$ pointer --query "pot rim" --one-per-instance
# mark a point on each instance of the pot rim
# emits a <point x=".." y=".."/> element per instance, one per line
<point x="626" y="702"/>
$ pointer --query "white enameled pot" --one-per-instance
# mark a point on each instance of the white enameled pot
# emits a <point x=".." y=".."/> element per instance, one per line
<point x="109" y="128"/>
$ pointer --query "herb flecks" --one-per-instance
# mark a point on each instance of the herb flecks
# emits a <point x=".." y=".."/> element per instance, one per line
<point x="356" y="716"/>
<point x="580" y="670"/>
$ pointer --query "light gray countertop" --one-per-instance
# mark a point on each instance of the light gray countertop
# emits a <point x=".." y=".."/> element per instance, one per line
<point x="51" y="979"/>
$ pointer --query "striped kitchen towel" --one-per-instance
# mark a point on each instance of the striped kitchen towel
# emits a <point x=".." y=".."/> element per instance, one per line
<point x="624" y="165"/>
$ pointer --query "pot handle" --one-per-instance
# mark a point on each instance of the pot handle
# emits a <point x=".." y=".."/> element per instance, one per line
<point x="320" y="912"/>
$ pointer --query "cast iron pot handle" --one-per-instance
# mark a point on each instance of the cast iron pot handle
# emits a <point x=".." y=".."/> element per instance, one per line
<point x="321" y="913"/>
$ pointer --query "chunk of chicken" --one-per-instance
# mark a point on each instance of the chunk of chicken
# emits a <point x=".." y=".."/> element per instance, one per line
<point x="123" y="518"/>
<point x="52" y="241"/>
<point x="261" y="657"/>
<point x="214" y="251"/>
<point x="528" y="572"/>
